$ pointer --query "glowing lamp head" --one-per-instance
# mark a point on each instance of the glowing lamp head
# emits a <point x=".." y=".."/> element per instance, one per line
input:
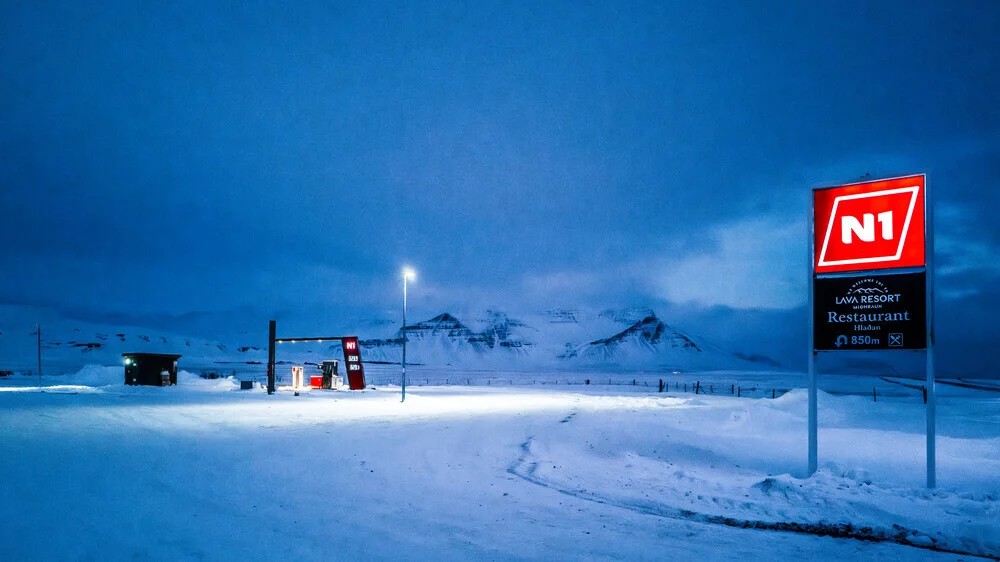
<point x="409" y="274"/>
<point x="128" y="360"/>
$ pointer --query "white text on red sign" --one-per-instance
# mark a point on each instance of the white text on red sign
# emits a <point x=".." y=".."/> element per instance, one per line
<point x="868" y="227"/>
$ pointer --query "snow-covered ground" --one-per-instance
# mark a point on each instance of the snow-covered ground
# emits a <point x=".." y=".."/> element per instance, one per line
<point x="95" y="470"/>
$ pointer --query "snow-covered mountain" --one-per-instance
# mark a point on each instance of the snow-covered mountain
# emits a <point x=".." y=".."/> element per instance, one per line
<point x="494" y="339"/>
<point x="562" y="339"/>
<point x="646" y="335"/>
<point x="555" y="339"/>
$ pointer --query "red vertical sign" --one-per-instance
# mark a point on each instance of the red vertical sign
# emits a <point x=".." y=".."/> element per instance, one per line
<point x="352" y="360"/>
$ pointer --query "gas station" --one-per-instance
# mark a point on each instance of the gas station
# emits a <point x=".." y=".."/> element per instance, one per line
<point x="330" y="378"/>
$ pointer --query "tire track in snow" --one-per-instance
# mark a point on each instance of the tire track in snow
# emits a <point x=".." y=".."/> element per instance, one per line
<point x="525" y="469"/>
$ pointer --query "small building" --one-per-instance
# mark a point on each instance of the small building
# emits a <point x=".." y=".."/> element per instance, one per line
<point x="150" y="369"/>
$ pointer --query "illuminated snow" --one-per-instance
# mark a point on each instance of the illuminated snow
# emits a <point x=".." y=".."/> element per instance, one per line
<point x="202" y="470"/>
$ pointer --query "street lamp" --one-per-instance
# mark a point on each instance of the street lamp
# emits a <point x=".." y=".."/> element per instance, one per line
<point x="407" y="274"/>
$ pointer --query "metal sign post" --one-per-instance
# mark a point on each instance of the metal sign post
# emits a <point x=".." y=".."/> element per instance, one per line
<point x="813" y="422"/>
<point x="931" y="430"/>
<point x="270" y="356"/>
<point x="871" y="280"/>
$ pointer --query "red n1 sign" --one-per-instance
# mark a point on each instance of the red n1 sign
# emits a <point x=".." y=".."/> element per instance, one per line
<point x="871" y="225"/>
<point x="352" y="362"/>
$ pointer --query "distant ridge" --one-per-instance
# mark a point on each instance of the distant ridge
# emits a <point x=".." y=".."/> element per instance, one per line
<point x="558" y="338"/>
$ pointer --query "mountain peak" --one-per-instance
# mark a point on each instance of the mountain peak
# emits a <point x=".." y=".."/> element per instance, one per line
<point x="627" y="315"/>
<point x="444" y="317"/>
<point x="648" y="330"/>
<point x="648" y="335"/>
<point x="443" y="321"/>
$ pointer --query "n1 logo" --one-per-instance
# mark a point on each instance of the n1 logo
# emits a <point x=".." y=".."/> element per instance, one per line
<point x="866" y="232"/>
<point x="872" y="225"/>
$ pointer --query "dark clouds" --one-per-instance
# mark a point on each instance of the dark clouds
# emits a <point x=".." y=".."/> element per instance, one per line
<point x="197" y="157"/>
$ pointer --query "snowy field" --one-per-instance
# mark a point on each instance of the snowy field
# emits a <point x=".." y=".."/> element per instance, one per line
<point x="95" y="470"/>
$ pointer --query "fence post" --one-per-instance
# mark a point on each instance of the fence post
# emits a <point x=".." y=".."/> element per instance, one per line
<point x="697" y="387"/>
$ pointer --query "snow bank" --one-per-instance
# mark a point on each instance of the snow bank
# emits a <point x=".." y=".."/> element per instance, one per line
<point x="727" y="461"/>
<point x="96" y="375"/>
<point x="187" y="380"/>
<point x="100" y="376"/>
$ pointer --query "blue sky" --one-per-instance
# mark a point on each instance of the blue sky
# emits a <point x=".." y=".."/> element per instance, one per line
<point x="195" y="158"/>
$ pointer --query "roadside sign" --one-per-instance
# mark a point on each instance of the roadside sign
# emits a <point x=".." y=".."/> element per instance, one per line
<point x="871" y="225"/>
<point x="870" y="312"/>
<point x="871" y="281"/>
<point x="352" y="361"/>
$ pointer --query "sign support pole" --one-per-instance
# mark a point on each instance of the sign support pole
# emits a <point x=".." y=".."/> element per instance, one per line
<point x="929" y="249"/>
<point x="813" y="422"/>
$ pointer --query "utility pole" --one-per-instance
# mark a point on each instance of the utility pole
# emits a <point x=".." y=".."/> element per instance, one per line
<point x="38" y="330"/>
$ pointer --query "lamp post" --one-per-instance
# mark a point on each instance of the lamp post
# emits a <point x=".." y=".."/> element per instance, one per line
<point x="407" y="274"/>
